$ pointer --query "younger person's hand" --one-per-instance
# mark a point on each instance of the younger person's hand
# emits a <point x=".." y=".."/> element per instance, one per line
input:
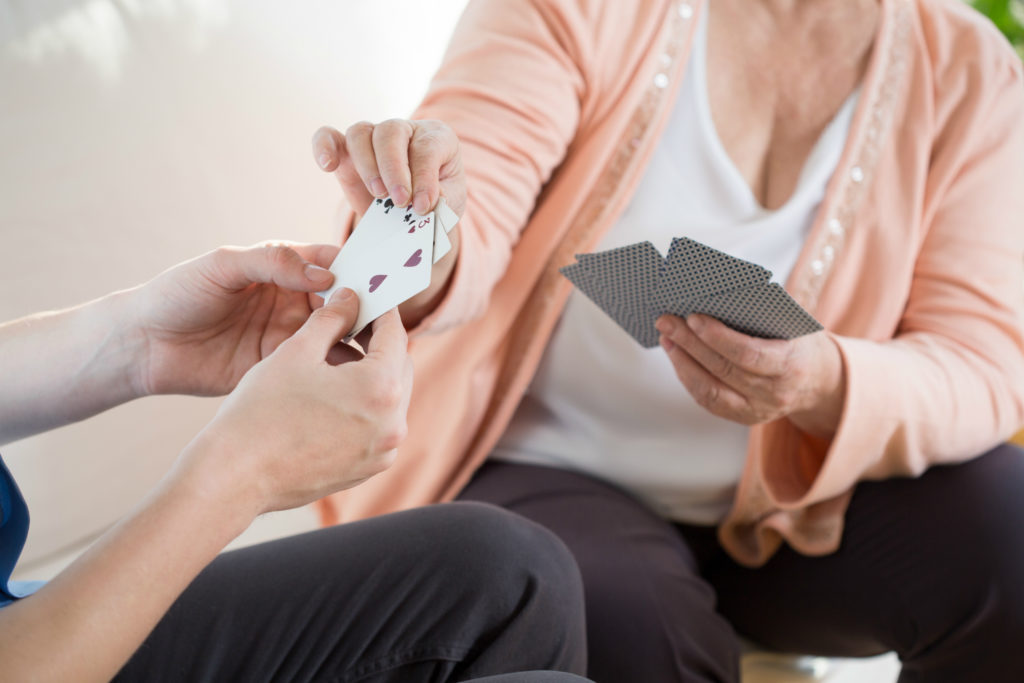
<point x="298" y="427"/>
<point x="205" y="322"/>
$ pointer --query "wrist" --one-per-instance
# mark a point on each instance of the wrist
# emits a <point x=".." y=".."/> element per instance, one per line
<point x="126" y="346"/>
<point x="824" y="409"/>
<point x="206" y="475"/>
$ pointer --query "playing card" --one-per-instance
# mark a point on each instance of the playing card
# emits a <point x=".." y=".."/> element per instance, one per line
<point x="626" y="274"/>
<point x="381" y="221"/>
<point x="386" y="260"/>
<point x="693" y="271"/>
<point x="764" y="310"/>
<point x="445" y="219"/>
<point x="594" y="277"/>
<point x="442" y="245"/>
<point x="623" y="278"/>
<point x="445" y="216"/>
<point x="634" y="285"/>
<point x="390" y="273"/>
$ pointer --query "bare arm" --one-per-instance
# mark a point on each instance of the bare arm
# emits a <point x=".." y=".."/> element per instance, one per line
<point x="61" y="367"/>
<point x="195" y="329"/>
<point x="86" y="623"/>
<point x="255" y="456"/>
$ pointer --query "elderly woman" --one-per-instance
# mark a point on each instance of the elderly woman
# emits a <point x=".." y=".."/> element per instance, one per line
<point x="823" y="494"/>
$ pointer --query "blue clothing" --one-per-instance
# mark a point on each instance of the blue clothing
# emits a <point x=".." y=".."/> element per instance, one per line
<point x="13" y="532"/>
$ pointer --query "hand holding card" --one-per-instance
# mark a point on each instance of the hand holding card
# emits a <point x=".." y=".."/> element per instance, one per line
<point x="634" y="285"/>
<point x="745" y="350"/>
<point x="752" y="380"/>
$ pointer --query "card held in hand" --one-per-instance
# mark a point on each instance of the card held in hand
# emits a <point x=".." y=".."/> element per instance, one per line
<point x="635" y="285"/>
<point x="388" y="258"/>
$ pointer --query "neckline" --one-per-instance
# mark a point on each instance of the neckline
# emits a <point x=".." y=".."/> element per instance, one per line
<point x="812" y="168"/>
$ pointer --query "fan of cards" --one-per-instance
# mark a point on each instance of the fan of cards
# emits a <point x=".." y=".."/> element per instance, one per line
<point x="388" y="257"/>
<point x="635" y="285"/>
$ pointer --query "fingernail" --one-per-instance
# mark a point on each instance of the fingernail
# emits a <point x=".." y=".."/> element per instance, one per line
<point x="377" y="188"/>
<point x="399" y="195"/>
<point x="695" y="323"/>
<point x="666" y="343"/>
<point x="314" y="272"/>
<point x="342" y="294"/>
<point x="666" y="326"/>
<point x="422" y="203"/>
<point x="324" y="160"/>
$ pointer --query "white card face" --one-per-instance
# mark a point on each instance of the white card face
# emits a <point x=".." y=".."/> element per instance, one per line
<point x="445" y="216"/>
<point x="442" y="245"/>
<point x="446" y="220"/>
<point x="386" y="260"/>
<point x="387" y="274"/>
<point x="381" y="221"/>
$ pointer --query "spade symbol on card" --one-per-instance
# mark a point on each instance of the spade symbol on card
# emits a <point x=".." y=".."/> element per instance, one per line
<point x="414" y="260"/>
<point x="376" y="281"/>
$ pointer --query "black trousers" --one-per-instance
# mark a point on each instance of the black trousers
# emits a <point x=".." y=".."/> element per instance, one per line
<point x="443" y="593"/>
<point x="932" y="568"/>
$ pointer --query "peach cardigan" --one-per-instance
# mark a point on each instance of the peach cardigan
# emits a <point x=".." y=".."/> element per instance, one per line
<point x="915" y="263"/>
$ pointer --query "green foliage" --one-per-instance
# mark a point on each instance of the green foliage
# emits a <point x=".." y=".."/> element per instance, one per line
<point x="1008" y="15"/>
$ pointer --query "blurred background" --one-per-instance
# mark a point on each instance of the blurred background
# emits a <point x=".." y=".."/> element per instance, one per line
<point x="138" y="133"/>
<point x="1008" y="15"/>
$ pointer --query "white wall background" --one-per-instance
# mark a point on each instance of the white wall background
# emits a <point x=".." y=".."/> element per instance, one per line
<point x="138" y="133"/>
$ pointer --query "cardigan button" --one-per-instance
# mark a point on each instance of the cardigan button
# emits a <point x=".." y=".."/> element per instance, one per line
<point x="685" y="10"/>
<point x="817" y="267"/>
<point x="857" y="174"/>
<point x="836" y="227"/>
<point x="661" y="81"/>
<point x="828" y="253"/>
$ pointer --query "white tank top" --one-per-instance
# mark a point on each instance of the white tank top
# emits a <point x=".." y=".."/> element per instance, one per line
<point x="602" y="404"/>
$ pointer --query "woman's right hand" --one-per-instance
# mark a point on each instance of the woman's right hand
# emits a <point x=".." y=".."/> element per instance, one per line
<point x="413" y="162"/>
<point x="297" y="427"/>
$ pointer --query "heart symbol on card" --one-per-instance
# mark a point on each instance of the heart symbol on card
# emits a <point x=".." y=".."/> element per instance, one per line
<point x="375" y="281"/>
<point x="414" y="260"/>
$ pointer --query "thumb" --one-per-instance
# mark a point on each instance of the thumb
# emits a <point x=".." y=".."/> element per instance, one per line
<point x="331" y="322"/>
<point x="280" y="264"/>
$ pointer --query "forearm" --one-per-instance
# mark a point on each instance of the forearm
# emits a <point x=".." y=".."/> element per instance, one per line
<point x="86" y="623"/>
<point x="61" y="367"/>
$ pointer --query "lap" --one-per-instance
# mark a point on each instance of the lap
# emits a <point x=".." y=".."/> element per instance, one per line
<point x="925" y="566"/>
<point x="928" y="567"/>
<point x="642" y="585"/>
<point x="409" y="596"/>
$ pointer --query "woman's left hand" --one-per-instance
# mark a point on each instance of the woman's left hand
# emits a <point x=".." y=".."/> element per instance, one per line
<point x="205" y="322"/>
<point x="752" y="380"/>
